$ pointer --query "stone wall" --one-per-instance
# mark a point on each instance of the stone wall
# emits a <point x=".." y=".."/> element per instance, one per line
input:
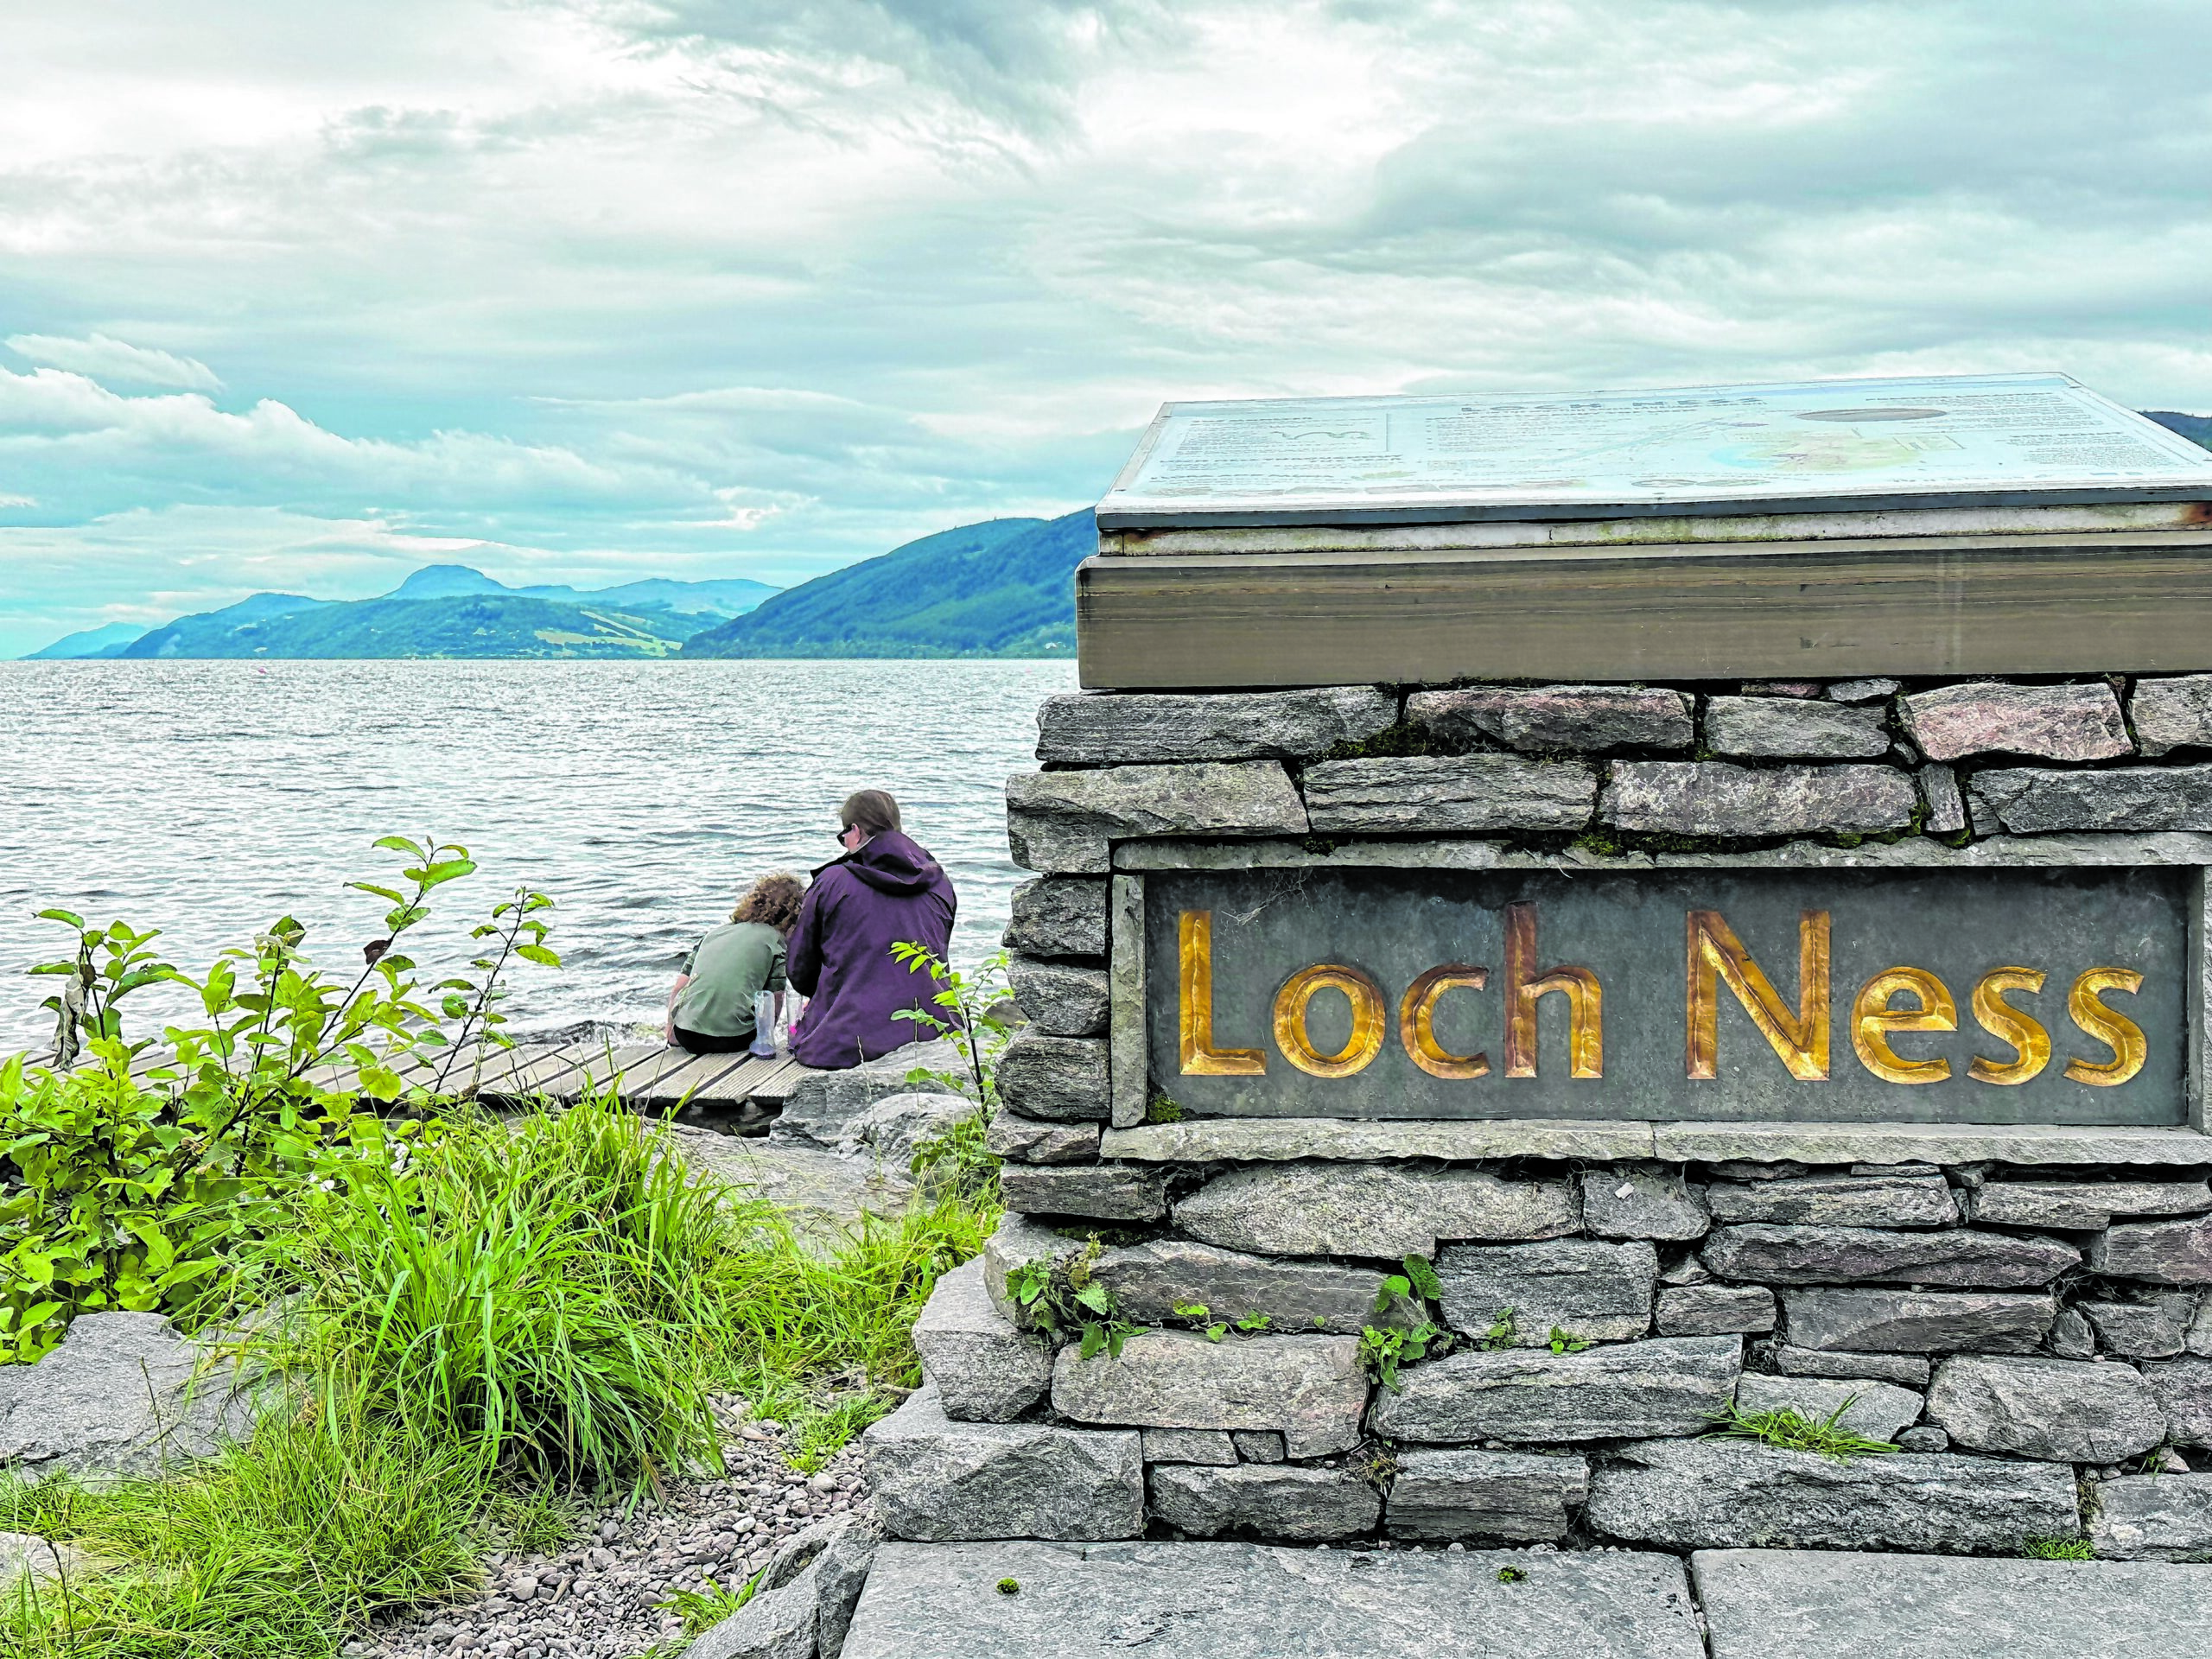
<point x="2025" y="1318"/>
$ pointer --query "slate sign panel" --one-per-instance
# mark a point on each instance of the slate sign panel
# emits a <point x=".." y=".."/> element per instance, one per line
<point x="2029" y="996"/>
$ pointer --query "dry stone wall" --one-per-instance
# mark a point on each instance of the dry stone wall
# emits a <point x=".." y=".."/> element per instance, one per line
<point x="2034" y="1337"/>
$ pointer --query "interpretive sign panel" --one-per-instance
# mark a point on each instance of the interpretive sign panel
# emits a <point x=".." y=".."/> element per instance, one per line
<point x="1953" y="440"/>
<point x="1992" y="996"/>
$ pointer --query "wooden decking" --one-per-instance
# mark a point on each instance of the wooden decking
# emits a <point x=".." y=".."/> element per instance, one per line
<point x="645" y="1075"/>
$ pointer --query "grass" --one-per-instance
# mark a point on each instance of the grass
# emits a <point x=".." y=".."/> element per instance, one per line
<point x="701" y="1611"/>
<point x="2059" y="1549"/>
<point x="1798" y="1433"/>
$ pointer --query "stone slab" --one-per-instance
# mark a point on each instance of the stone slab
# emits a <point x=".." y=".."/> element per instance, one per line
<point x="123" y="1395"/>
<point x="1346" y="1140"/>
<point x="1254" y="1601"/>
<point x="1059" y="1079"/>
<point x="822" y="1106"/>
<point x="1712" y="797"/>
<point x="1804" y="1605"/>
<point x="1837" y="1201"/>
<point x="1279" y="1501"/>
<point x="1830" y="1255"/>
<point x="1917" y="1321"/>
<point x="2034" y="800"/>
<point x="1545" y="718"/>
<point x="2154" y="1518"/>
<point x="1213" y="1445"/>
<point x="1790" y="729"/>
<point x="1326" y="1208"/>
<point x="1448" y="794"/>
<point x="1039" y="1140"/>
<point x="1876" y="1409"/>
<point x="1908" y="1370"/>
<point x="1018" y="1241"/>
<point x="2053" y="723"/>
<point x="2070" y="1410"/>
<point x="2172" y="714"/>
<point x="1671" y="1385"/>
<point x="1151" y="1281"/>
<point x="985" y="1371"/>
<point x="1101" y="729"/>
<point x="1058" y="915"/>
<point x="1928" y="1143"/>
<point x="1598" y="1291"/>
<point x="1065" y="823"/>
<point x="1099" y="1192"/>
<point x="1715" y="1310"/>
<point x="1060" y="999"/>
<point x="2157" y="1328"/>
<point x="2184" y="1387"/>
<point x="1453" y="1492"/>
<point x="1641" y="1204"/>
<point x="2083" y="1206"/>
<point x="1309" y="1387"/>
<point x="2162" y="1252"/>
<point x="937" y="1480"/>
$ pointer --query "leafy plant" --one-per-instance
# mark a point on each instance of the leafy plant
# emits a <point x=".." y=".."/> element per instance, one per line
<point x="1009" y="1586"/>
<point x="1254" y="1321"/>
<point x="1788" y="1428"/>
<point x="1565" y="1342"/>
<point x="1501" y="1333"/>
<point x="107" y="964"/>
<point x="1511" y="1574"/>
<point x="1062" y="1295"/>
<point x="2059" y="1549"/>
<point x="966" y="1014"/>
<point x="1384" y="1351"/>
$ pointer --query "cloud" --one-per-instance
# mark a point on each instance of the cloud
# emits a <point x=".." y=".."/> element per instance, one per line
<point x="112" y="360"/>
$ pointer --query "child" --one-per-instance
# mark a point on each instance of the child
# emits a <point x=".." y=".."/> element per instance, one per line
<point x="710" y="1009"/>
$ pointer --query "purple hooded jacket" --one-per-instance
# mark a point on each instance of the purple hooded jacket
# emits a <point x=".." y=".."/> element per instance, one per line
<point x="889" y="892"/>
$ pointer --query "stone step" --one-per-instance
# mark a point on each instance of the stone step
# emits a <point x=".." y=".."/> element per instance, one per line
<point x="1253" y="1601"/>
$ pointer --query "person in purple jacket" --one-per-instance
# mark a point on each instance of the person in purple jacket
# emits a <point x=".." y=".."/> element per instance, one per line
<point x="884" y="890"/>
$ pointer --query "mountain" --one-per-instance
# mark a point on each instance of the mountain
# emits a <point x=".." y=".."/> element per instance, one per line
<point x="2197" y="428"/>
<point x="446" y="581"/>
<point x="1002" y="588"/>
<point x="107" y="641"/>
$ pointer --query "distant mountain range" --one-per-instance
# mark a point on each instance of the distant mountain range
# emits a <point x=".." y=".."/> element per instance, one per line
<point x="2197" y="428"/>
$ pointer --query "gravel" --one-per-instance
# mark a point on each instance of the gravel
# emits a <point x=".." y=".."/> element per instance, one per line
<point x="597" y="1599"/>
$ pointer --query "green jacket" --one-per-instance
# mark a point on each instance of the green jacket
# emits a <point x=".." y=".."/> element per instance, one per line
<point x="725" y="972"/>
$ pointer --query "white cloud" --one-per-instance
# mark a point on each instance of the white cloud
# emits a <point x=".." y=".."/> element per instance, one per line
<point x="113" y="360"/>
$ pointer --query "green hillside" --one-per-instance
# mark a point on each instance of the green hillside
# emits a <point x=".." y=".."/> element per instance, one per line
<point x="475" y="625"/>
<point x="1003" y="589"/>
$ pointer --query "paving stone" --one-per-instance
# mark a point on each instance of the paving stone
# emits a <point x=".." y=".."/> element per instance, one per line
<point x="1939" y="793"/>
<point x="1151" y="1281"/>
<point x="1213" y="1445"/>
<point x="1829" y="1255"/>
<point x="1062" y="1079"/>
<point x="2030" y="800"/>
<point x="2183" y="1390"/>
<point x="2172" y="714"/>
<point x="1258" y="1446"/>
<point x="937" y="1480"/>
<point x="122" y="1395"/>
<point x="1917" y="1321"/>
<point x="1786" y="729"/>
<point x="1109" y="729"/>
<point x="2054" y="722"/>
<point x="1280" y="1502"/>
<point x="1711" y="797"/>
<point x="2084" y="1207"/>
<point x="1039" y="1140"/>
<point x="1863" y="690"/>
<point x="1875" y="1409"/>
<point x="1600" y="1292"/>
<point x="1371" y="1209"/>
<point x="1101" y="1192"/>
<point x="1715" y="1310"/>
<point x="1441" y="1493"/>
<point x="1254" y="1601"/>
<point x="2163" y="1252"/>
<point x="1787" y="1605"/>
<point x="1017" y="1242"/>
<point x="1060" y="999"/>
<point x="2154" y="1518"/>
<point x="1837" y="1201"/>
<point x="823" y="1106"/>
<point x="2068" y="1410"/>
<point x="1669" y="1385"/>
<point x="1448" y="794"/>
<point x="1709" y="1494"/>
<point x="2072" y="1336"/>
<point x="1640" y="1204"/>
<point x="1310" y="1389"/>
<point x="1908" y="1370"/>
<point x="2157" y="1329"/>
<point x="985" y="1371"/>
<point x="1545" y="718"/>
<point x="1058" y="915"/>
<point x="1063" y="822"/>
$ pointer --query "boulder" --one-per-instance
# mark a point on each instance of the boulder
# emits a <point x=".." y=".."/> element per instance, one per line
<point x="1789" y="728"/>
<point x="1106" y="728"/>
<point x="1877" y="1410"/>
<point x="1280" y="1502"/>
<point x="934" y="1480"/>
<point x="897" y="1127"/>
<point x="2153" y="1518"/>
<point x="1101" y="1192"/>
<point x="1711" y="797"/>
<point x="1065" y="823"/>
<point x="1545" y="718"/>
<point x="1059" y="999"/>
<point x="822" y="1105"/>
<point x="1150" y="1282"/>
<point x="2172" y="714"/>
<point x="1907" y="1371"/>
<point x="1060" y="1079"/>
<point x="2033" y="800"/>
<point x="1058" y="915"/>
<point x="1310" y="1389"/>
<point x="776" y="1624"/>
<point x="2066" y="1410"/>
<point x="1598" y="1291"/>
<point x="1829" y="1255"/>
<point x="2163" y="1252"/>
<point x="1039" y="1140"/>
<point x="1448" y="795"/>
<point x="1371" y="1209"/>
<point x="2157" y="1329"/>
<point x="123" y="1395"/>
<point x="1441" y="1493"/>
<point x="2053" y="723"/>
<point x="2182" y="1388"/>
<point x="1836" y="1201"/>
<point x="1736" y="1494"/>
<point x="25" y="1556"/>
<point x="1640" y="1204"/>
<point x="1213" y="1445"/>
<point x="1715" y="1310"/>
<point x="984" y="1370"/>
<point x="2082" y="1206"/>
<point x="1917" y="1321"/>
<point x="1671" y="1385"/>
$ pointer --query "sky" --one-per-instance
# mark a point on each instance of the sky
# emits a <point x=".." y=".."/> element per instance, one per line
<point x="303" y="297"/>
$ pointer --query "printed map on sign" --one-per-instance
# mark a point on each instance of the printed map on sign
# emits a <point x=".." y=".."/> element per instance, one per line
<point x="2021" y="438"/>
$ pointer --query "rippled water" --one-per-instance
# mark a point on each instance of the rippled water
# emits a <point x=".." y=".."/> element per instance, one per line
<point x="208" y="798"/>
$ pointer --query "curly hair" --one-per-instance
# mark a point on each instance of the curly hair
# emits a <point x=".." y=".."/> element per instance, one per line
<point x="773" y="899"/>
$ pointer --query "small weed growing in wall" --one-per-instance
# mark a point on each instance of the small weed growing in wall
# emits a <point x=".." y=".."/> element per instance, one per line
<point x="1062" y="1296"/>
<point x="1163" y="1110"/>
<point x="1565" y="1342"/>
<point x="1009" y="1586"/>
<point x="1798" y="1433"/>
<point x="2058" y="1549"/>
<point x="1501" y="1331"/>
<point x="1510" y="1574"/>
<point x="1383" y="1351"/>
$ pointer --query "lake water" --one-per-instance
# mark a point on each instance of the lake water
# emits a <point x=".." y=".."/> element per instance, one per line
<point x="208" y="798"/>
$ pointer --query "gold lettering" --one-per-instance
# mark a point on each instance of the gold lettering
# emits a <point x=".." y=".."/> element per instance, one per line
<point x="1717" y="957"/>
<point x="1417" y="1018"/>
<point x="1367" y="1020"/>
<point x="2115" y="1031"/>
<point x="1873" y="1019"/>
<point x="2030" y="1042"/>
<point x="1585" y="1003"/>
<point x="1194" y="942"/>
